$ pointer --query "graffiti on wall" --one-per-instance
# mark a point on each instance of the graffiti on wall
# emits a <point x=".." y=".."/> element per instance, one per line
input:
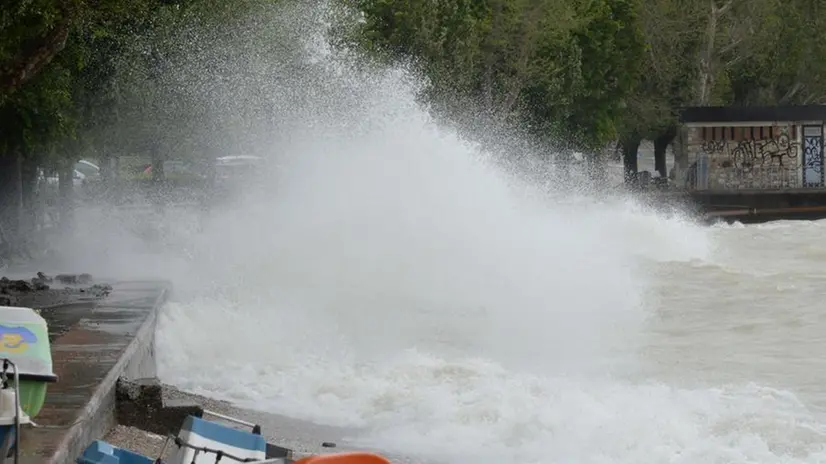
<point x="746" y="154"/>
<point x="813" y="156"/>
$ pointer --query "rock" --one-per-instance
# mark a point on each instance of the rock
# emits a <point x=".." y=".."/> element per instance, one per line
<point x="139" y="403"/>
<point x="38" y="293"/>
<point x="41" y="282"/>
<point x="17" y="286"/>
<point x="274" y="451"/>
<point x="44" y="278"/>
<point x="100" y="290"/>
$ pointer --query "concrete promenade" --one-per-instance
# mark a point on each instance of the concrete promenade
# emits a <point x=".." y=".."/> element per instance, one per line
<point x="93" y="344"/>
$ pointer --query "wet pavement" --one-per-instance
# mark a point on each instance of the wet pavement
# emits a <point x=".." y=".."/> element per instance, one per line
<point x="94" y="343"/>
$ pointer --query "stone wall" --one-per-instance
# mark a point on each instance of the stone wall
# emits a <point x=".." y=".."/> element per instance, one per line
<point x="740" y="157"/>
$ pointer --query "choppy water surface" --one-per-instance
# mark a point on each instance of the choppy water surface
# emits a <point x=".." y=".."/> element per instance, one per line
<point x="750" y="310"/>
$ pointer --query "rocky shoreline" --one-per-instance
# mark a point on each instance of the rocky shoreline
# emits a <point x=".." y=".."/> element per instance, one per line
<point x="42" y="291"/>
<point x="61" y="300"/>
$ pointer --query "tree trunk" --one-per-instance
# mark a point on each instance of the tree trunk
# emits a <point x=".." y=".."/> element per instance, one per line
<point x="10" y="198"/>
<point x="630" y="148"/>
<point x="157" y="167"/>
<point x="680" y="155"/>
<point x="661" y="144"/>
<point x="708" y="56"/>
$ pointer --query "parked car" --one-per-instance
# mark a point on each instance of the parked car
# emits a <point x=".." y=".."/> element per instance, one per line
<point x="235" y="167"/>
<point x="83" y="171"/>
<point x="88" y="169"/>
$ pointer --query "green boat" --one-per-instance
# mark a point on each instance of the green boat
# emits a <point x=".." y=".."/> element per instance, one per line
<point x="24" y="339"/>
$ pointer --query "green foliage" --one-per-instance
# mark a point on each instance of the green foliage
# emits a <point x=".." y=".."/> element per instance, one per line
<point x="669" y="69"/>
<point x="159" y="76"/>
<point x="516" y="60"/>
<point x="38" y="111"/>
<point x="589" y="71"/>
<point x="22" y="22"/>
<point x="787" y="68"/>
<point x="73" y="94"/>
<point x="611" y="37"/>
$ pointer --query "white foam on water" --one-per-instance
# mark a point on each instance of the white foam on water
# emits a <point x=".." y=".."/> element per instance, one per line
<point x="396" y="282"/>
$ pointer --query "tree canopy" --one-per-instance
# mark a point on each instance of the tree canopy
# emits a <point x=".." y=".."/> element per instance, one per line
<point x="161" y="77"/>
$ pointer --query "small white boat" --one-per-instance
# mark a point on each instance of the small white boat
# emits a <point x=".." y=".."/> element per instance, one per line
<point x="25" y="371"/>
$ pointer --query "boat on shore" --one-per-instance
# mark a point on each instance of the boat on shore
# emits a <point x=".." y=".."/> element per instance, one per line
<point x="202" y="441"/>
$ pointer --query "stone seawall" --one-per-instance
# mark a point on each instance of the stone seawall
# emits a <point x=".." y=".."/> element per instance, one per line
<point x="108" y="339"/>
<point x="757" y="206"/>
